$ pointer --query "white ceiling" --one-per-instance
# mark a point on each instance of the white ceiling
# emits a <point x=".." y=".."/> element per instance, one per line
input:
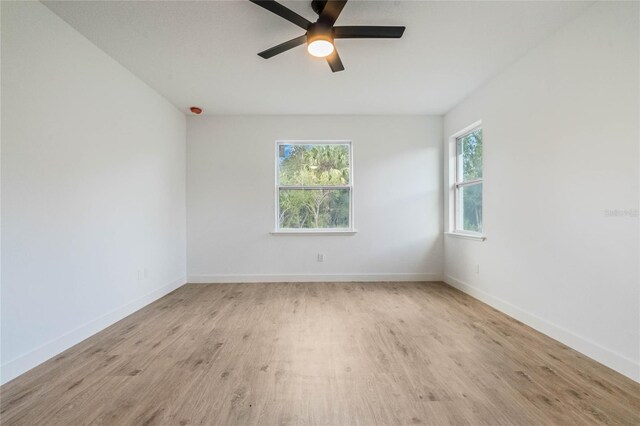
<point x="204" y="53"/>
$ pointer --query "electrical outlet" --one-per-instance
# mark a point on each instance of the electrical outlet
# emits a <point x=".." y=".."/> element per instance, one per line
<point x="320" y="257"/>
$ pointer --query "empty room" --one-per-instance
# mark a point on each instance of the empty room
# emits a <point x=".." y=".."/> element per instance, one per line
<point x="259" y="212"/>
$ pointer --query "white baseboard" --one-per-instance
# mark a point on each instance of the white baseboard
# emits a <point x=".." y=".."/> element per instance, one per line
<point x="270" y="278"/>
<point x="26" y="362"/>
<point x="611" y="359"/>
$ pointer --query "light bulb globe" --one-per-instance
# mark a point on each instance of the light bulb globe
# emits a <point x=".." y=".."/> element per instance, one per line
<point x="320" y="48"/>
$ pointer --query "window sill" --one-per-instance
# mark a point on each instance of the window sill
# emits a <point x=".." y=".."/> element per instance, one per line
<point x="314" y="232"/>
<point x="466" y="236"/>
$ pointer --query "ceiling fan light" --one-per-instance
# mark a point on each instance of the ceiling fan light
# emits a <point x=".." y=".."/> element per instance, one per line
<point x="320" y="48"/>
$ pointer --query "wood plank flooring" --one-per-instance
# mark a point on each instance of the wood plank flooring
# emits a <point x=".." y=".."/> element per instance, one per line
<point x="319" y="354"/>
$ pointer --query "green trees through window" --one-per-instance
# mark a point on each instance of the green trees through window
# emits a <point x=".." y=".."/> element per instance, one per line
<point x="469" y="181"/>
<point x="314" y="186"/>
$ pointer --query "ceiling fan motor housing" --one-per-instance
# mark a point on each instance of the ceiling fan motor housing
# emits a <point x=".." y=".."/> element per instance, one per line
<point x="319" y="31"/>
<point x="318" y="5"/>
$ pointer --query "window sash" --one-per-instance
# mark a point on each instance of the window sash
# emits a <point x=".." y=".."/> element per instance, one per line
<point x="459" y="220"/>
<point x="314" y="142"/>
<point x="314" y="188"/>
<point x="458" y="175"/>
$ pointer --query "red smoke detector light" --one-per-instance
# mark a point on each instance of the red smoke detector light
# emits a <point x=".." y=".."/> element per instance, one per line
<point x="196" y="110"/>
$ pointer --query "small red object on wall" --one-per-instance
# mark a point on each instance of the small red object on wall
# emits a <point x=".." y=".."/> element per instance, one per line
<point x="196" y="110"/>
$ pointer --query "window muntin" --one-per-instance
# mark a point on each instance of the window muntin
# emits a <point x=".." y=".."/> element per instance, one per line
<point x="468" y="182"/>
<point x="314" y="186"/>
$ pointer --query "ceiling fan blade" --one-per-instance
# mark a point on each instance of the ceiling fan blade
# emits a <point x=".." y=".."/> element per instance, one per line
<point x="283" y="47"/>
<point x="335" y="62"/>
<point x="283" y="12"/>
<point x="331" y="12"/>
<point x="368" y="32"/>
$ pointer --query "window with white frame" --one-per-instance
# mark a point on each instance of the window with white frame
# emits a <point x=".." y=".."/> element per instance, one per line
<point x="314" y="186"/>
<point x="468" y="182"/>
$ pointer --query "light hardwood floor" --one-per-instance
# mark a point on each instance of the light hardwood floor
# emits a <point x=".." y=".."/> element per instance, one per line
<point x="321" y="354"/>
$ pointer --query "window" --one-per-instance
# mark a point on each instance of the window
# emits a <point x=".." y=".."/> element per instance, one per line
<point x="314" y="186"/>
<point x="467" y="186"/>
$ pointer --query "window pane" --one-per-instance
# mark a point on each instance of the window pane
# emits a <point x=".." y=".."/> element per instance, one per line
<point x="313" y="164"/>
<point x="470" y="208"/>
<point x="314" y="208"/>
<point x="469" y="151"/>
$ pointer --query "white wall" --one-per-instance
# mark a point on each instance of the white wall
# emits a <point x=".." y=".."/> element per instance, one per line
<point x="397" y="200"/>
<point x="561" y="146"/>
<point x="93" y="186"/>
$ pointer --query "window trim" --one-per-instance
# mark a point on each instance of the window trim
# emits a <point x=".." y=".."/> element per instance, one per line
<point x="313" y="231"/>
<point x="455" y="185"/>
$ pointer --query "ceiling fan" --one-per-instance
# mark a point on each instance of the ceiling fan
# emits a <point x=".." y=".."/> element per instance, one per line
<point x="320" y="35"/>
